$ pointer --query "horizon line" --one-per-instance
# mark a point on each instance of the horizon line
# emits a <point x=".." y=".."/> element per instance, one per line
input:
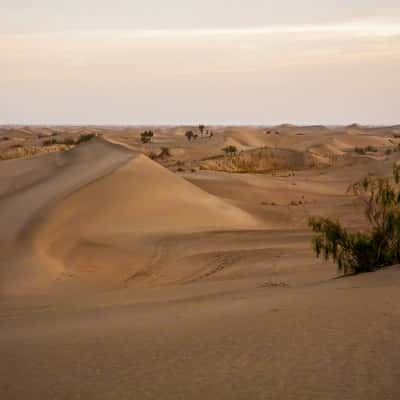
<point x="219" y="124"/>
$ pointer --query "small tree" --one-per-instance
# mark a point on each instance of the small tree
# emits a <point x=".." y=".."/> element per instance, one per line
<point x="201" y="129"/>
<point x="230" y="150"/>
<point x="362" y="252"/>
<point x="189" y="135"/>
<point x="146" y="136"/>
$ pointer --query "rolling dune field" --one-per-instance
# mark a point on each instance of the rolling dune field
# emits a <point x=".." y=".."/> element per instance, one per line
<point x="132" y="272"/>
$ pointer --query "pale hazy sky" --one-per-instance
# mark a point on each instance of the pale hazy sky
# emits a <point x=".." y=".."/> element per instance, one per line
<point x="209" y="61"/>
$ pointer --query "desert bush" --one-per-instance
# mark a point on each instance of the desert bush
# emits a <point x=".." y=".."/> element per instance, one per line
<point x="152" y="155"/>
<point x="189" y="135"/>
<point x="364" y="150"/>
<point x="164" y="152"/>
<point x="230" y="150"/>
<point x="388" y="152"/>
<point x="359" y="150"/>
<point x="266" y="203"/>
<point x="364" y="251"/>
<point x="146" y="136"/>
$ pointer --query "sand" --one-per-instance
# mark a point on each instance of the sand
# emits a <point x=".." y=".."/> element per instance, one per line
<point x="121" y="277"/>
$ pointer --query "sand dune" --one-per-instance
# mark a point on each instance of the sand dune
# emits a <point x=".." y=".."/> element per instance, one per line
<point x="118" y="220"/>
<point x="351" y="141"/>
<point x="103" y="215"/>
<point x="30" y="188"/>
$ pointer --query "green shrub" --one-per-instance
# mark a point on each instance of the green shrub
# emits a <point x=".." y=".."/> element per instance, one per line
<point x="364" y="251"/>
<point x="146" y="136"/>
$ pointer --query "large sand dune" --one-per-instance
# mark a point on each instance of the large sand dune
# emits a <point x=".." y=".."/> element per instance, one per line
<point x="94" y="214"/>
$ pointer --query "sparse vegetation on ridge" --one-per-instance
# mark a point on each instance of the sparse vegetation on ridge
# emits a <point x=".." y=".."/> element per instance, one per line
<point x="69" y="141"/>
<point x="365" y="150"/>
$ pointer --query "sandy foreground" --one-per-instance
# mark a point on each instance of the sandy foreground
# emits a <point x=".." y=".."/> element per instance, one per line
<point x="182" y="277"/>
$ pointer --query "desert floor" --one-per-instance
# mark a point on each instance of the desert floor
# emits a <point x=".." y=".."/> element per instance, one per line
<point x="128" y="271"/>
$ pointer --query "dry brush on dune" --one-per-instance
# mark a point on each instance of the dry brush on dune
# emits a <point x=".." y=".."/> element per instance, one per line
<point x="364" y="251"/>
<point x="260" y="160"/>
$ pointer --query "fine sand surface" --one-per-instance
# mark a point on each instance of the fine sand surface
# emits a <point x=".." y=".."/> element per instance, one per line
<point x="123" y="277"/>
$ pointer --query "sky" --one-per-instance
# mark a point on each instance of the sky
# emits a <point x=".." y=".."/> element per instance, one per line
<point x="209" y="61"/>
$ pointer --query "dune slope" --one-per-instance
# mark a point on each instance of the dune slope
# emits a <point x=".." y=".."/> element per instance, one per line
<point x="111" y="229"/>
<point x="104" y="225"/>
<point x="31" y="187"/>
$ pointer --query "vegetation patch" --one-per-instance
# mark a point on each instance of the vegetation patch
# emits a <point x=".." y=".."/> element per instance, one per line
<point x="365" y="150"/>
<point x="146" y="136"/>
<point x="262" y="160"/>
<point x="356" y="252"/>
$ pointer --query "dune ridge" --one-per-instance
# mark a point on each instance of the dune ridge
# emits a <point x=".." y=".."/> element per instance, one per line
<point x="30" y="188"/>
<point x="105" y="221"/>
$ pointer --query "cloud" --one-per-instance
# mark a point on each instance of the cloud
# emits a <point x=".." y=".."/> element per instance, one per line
<point x="253" y="75"/>
<point x="364" y="27"/>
